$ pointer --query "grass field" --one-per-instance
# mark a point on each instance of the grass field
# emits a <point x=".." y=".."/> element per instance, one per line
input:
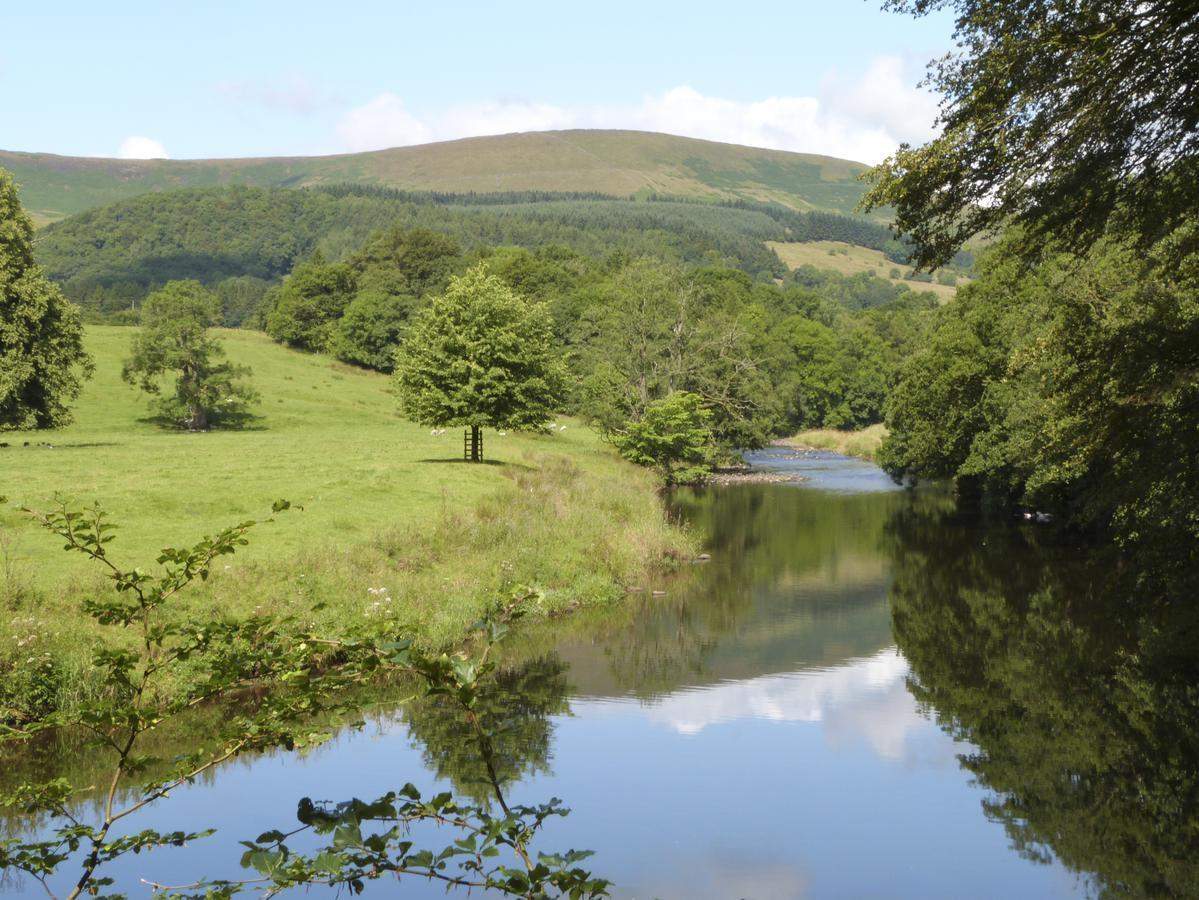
<point x="386" y="506"/>
<point x="863" y="444"/>
<point x="848" y="259"/>
<point x="621" y="163"/>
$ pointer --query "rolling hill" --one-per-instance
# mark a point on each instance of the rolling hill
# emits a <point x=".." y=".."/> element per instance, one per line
<point x="619" y="163"/>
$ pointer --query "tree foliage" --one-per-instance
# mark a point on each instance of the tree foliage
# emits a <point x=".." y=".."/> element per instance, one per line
<point x="1069" y="386"/>
<point x="108" y="259"/>
<point x="672" y="436"/>
<point x="42" y="360"/>
<point x="368" y="332"/>
<point x="304" y="310"/>
<point x="174" y="339"/>
<point x="650" y="330"/>
<point x="145" y="642"/>
<point x="1058" y="115"/>
<point x="480" y="355"/>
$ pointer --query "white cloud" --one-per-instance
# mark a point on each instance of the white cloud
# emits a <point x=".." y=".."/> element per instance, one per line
<point x="383" y="122"/>
<point x="138" y="147"/>
<point x="502" y="117"/>
<point x="885" y="98"/>
<point x="862" y="119"/>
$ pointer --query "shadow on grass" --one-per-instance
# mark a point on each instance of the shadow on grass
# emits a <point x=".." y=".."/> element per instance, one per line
<point x="482" y="462"/>
<point x="241" y="423"/>
<point x="46" y="445"/>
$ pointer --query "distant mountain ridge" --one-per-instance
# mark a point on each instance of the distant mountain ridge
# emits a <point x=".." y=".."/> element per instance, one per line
<point x="620" y="163"/>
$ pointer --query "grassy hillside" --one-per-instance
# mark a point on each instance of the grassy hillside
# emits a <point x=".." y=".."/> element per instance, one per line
<point x="848" y="259"/>
<point x="620" y="163"/>
<point x="386" y="505"/>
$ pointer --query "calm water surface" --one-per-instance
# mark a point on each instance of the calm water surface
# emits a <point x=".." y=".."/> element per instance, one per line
<point x="863" y="694"/>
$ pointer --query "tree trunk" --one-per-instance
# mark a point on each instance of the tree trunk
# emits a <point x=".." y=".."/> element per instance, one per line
<point x="199" y="419"/>
<point x="476" y="443"/>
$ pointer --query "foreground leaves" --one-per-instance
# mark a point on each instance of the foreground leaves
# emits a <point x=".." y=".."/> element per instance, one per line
<point x="160" y="662"/>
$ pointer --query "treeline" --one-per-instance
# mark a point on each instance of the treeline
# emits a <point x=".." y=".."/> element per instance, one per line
<point x="467" y="198"/>
<point x="764" y="359"/>
<point x="109" y="259"/>
<point x="817" y="225"/>
<point x="1066" y="384"/>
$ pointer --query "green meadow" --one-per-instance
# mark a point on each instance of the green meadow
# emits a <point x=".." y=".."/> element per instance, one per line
<point x="393" y="523"/>
<point x="849" y="259"/>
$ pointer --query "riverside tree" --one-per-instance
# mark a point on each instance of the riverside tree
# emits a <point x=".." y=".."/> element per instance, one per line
<point x="672" y="436"/>
<point x="42" y="360"/>
<point x="1058" y="116"/>
<point x="174" y="339"/>
<point x="480" y="355"/>
<point x="1067" y="376"/>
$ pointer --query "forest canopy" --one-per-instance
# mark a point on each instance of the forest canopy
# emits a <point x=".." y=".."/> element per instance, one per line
<point x="109" y="259"/>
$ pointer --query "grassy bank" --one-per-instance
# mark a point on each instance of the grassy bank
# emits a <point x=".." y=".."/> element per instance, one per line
<point x="393" y="523"/>
<point x="863" y="444"/>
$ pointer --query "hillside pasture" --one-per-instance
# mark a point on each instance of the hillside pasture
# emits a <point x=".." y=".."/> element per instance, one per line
<point x="848" y="259"/>
<point x="620" y="163"/>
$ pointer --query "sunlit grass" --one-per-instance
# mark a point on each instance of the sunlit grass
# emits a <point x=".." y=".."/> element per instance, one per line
<point x="863" y="444"/>
<point x="385" y="504"/>
<point x="849" y="259"/>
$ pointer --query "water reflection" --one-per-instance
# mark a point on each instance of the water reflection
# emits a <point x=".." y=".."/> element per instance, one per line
<point x="864" y="699"/>
<point x="1077" y="683"/>
<point x="514" y="709"/>
<point x="797" y="580"/>
<point x="864" y="693"/>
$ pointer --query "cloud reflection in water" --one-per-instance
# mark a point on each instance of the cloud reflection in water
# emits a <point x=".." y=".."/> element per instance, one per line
<point x="864" y="698"/>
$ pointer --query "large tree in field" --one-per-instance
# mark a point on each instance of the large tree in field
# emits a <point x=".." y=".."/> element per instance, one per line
<point x="174" y="340"/>
<point x="42" y="360"/>
<point x="480" y="355"/>
<point x="1059" y="115"/>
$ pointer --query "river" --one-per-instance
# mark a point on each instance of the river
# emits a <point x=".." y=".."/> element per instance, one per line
<point x="865" y="693"/>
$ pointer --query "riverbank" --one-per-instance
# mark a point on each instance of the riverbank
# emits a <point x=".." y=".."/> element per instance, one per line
<point x="862" y="444"/>
<point x="393" y="524"/>
<point x="749" y="475"/>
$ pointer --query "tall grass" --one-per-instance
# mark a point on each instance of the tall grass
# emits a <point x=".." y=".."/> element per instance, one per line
<point x="863" y="444"/>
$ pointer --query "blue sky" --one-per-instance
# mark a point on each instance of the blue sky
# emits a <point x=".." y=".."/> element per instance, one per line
<point x="225" y="79"/>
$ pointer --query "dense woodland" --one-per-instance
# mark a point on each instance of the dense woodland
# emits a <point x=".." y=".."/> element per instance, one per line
<point x="647" y="297"/>
<point x="109" y="259"/>
<point x="766" y="358"/>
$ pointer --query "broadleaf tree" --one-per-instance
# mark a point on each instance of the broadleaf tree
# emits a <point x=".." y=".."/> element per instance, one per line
<point x="1066" y="376"/>
<point x="42" y="360"/>
<point x="174" y="340"/>
<point x="673" y="435"/>
<point x="1060" y="116"/>
<point x="480" y="355"/>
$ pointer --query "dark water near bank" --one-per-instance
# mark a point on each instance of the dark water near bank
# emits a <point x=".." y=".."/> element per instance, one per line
<point x="864" y="694"/>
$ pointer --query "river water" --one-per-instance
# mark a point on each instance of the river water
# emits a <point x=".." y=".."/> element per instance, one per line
<point x="865" y="693"/>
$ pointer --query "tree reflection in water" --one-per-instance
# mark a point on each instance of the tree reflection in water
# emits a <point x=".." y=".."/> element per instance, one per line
<point x="513" y="709"/>
<point x="1077" y="682"/>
